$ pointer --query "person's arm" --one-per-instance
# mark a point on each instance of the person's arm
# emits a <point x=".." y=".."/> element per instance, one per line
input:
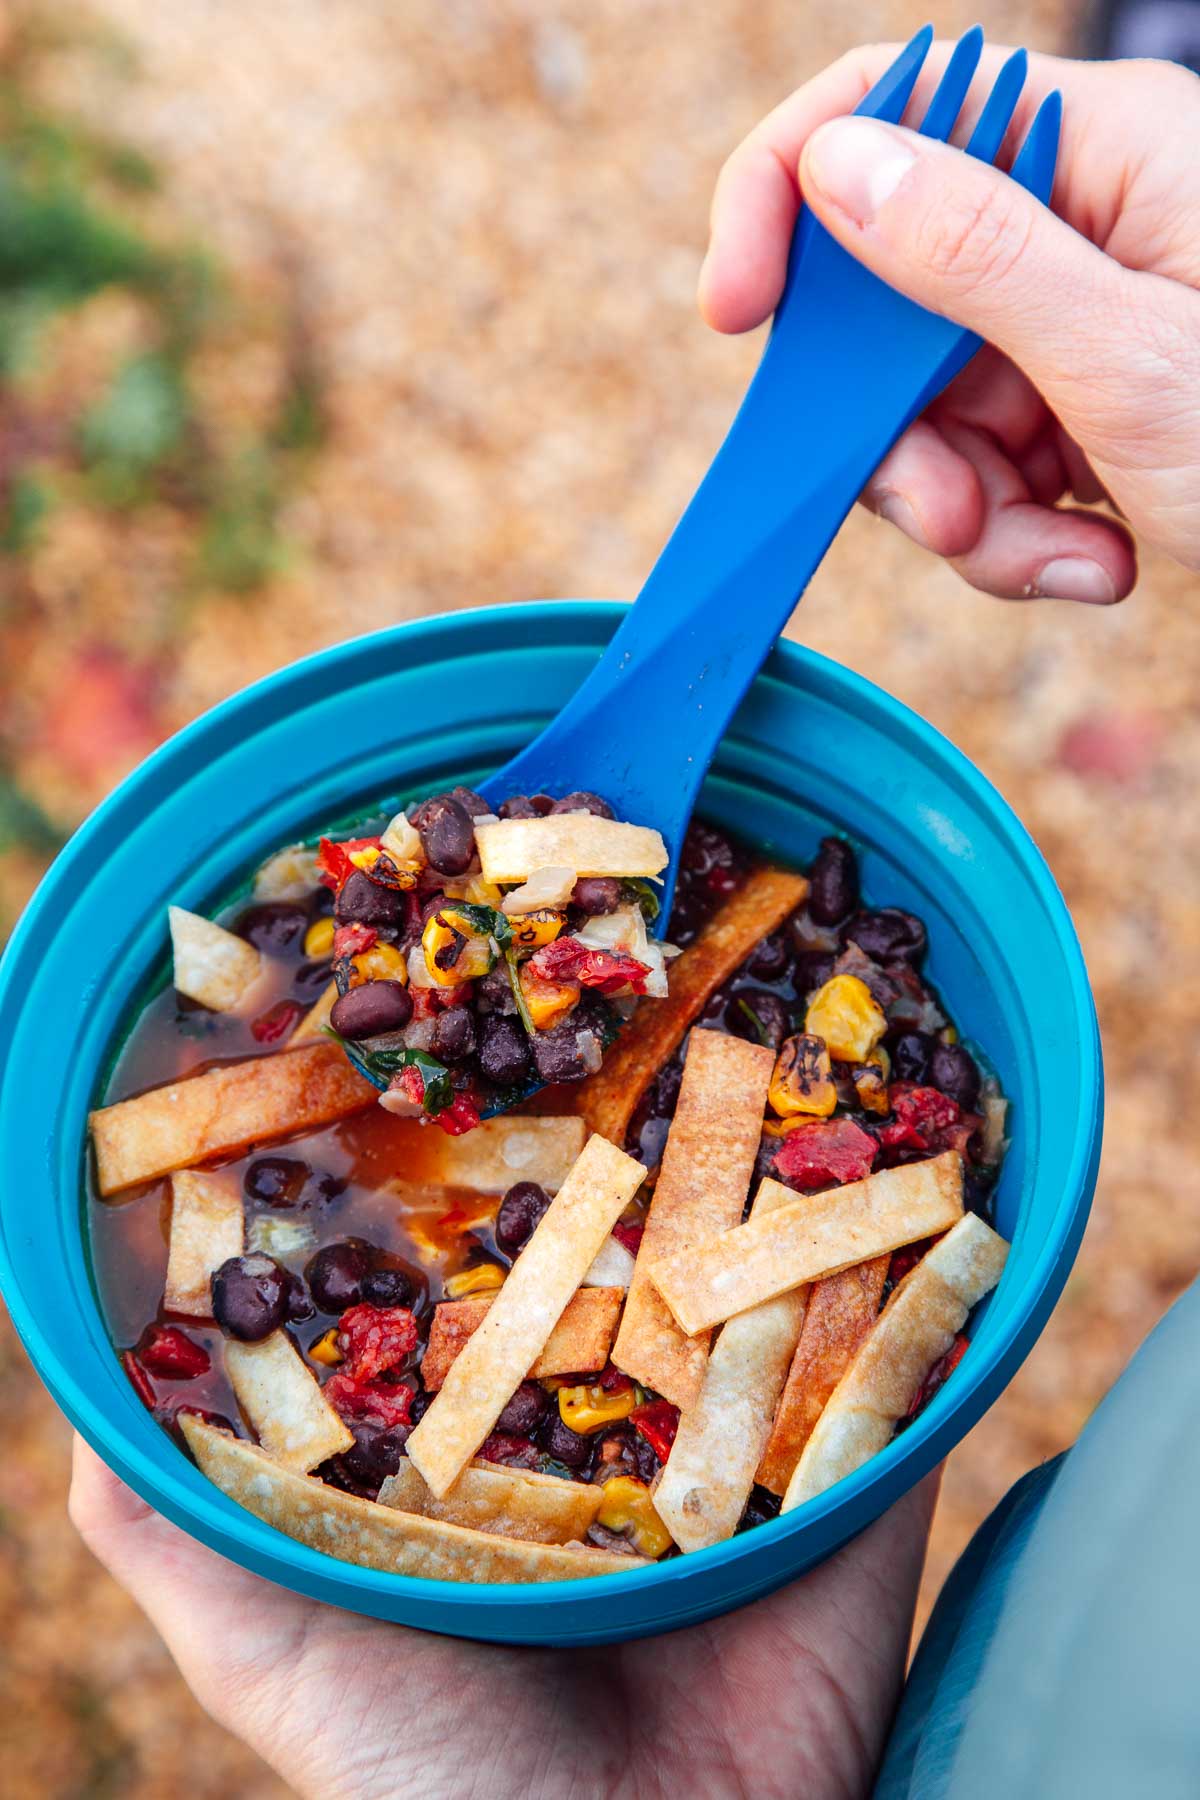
<point x="1092" y="389"/>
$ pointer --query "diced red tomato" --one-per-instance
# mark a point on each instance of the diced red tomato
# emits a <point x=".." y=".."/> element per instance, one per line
<point x="566" y="959"/>
<point x="513" y="1452"/>
<point x="165" y="1350"/>
<point x="940" y="1371"/>
<point x="374" y="1339"/>
<point x="614" y="1381"/>
<point x="923" y="1118"/>
<point x="630" y="1235"/>
<point x="425" y="1003"/>
<point x="411" y="1083"/>
<point x="379" y="1403"/>
<point x="277" y="1023"/>
<point x="142" y="1385"/>
<point x="333" y="860"/>
<point x="461" y="1116"/>
<point x="906" y="1259"/>
<point x="826" y="1153"/>
<point x="657" y="1422"/>
<point x="353" y="939"/>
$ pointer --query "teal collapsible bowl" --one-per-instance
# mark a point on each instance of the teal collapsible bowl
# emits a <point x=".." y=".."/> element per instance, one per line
<point x="812" y="748"/>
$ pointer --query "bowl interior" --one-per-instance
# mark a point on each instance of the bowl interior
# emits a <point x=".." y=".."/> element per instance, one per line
<point x="812" y="748"/>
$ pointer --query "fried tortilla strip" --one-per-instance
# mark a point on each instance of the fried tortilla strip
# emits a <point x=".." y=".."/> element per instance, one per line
<point x="579" y="1343"/>
<point x="512" y="1147"/>
<point x="283" y="1402"/>
<point x="812" y="1236"/>
<point x="608" y="1099"/>
<point x="311" y="1028"/>
<point x="841" y="1311"/>
<point x="208" y="1226"/>
<point x="379" y="1537"/>
<point x="915" y="1329"/>
<point x="524" y="1312"/>
<point x="701" y="1191"/>
<point x="212" y="966"/>
<point x="513" y="1503"/>
<point x="222" y="1111"/>
<point x="512" y="849"/>
<point x="707" y="1480"/>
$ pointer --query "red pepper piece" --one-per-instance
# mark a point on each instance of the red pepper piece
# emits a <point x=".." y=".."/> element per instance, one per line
<point x="906" y="1259"/>
<point x="920" y="1116"/>
<point x="461" y="1116"/>
<point x="513" y="1452"/>
<point x="277" y="1023"/>
<point x="425" y="1003"/>
<point x="412" y="1084"/>
<point x="826" y="1153"/>
<point x="333" y="860"/>
<point x="566" y="959"/>
<point x="614" y="1380"/>
<point x="941" y="1370"/>
<point x="141" y="1381"/>
<point x="380" y="1403"/>
<point x="353" y="939"/>
<point x="166" y="1351"/>
<point x="630" y="1235"/>
<point x="657" y="1422"/>
<point x="374" y="1339"/>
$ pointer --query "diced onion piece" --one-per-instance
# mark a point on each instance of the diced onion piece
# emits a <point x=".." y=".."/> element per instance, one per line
<point x="275" y="1235"/>
<point x="625" y="929"/>
<point x="994" y="1108"/>
<point x="402" y="841"/>
<point x="545" y="887"/>
<point x="512" y="849"/>
<point x="212" y="966"/>
<point x="291" y="874"/>
<point x="418" y="969"/>
<point x="612" y="1266"/>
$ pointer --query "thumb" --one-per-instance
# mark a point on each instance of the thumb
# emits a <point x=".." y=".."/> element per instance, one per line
<point x="961" y="238"/>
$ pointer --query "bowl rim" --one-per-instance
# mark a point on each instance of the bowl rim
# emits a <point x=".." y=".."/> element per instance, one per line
<point x="977" y="1383"/>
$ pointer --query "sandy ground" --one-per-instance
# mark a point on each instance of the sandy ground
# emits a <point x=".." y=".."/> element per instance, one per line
<point x="497" y="214"/>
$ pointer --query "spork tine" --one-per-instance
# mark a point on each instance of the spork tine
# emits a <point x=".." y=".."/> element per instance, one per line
<point x="848" y="365"/>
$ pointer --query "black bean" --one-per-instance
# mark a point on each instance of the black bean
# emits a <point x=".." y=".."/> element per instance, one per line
<point x="705" y="849"/>
<point x="813" y="969"/>
<point x="503" y="1050"/>
<point x="769" y="960"/>
<point x="250" y="1297"/>
<point x="563" y="1444"/>
<point x="759" y="1015"/>
<point x="447" y="834"/>
<point x="761" y="1506"/>
<point x="518" y="806"/>
<point x="910" y="1054"/>
<point x="275" y="926"/>
<point x="388" y="1287"/>
<point x="473" y="804"/>
<point x="953" y="1070"/>
<point x="571" y="1049"/>
<point x="493" y="992"/>
<point x="454" y="1035"/>
<point x="582" y="801"/>
<point x="833" y="882"/>
<point x="278" y="1180"/>
<point x="520" y="1211"/>
<point x="525" y="1411"/>
<point x="887" y="935"/>
<point x="374" y="1007"/>
<point x="622" y="1451"/>
<point x="362" y="901"/>
<point x="335" y="1274"/>
<point x="595" y="894"/>
<point x="309" y="981"/>
<point x="299" y="1306"/>
<point x="376" y="1453"/>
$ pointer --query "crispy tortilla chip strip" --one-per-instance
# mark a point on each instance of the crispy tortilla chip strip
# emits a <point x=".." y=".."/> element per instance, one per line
<point x="512" y="1147"/>
<point x="915" y="1328"/>
<point x="524" y="1312"/>
<point x="608" y="1099"/>
<point x="208" y="1226"/>
<point x="379" y="1537"/>
<point x="222" y="1111"/>
<point x="841" y="1311"/>
<point x="814" y="1235"/>
<point x="513" y="1503"/>
<point x="512" y="849"/>
<point x="283" y="1402"/>
<point x="705" y="1486"/>
<point x="311" y="1029"/>
<point x="579" y="1343"/>
<point x="211" y="965"/>
<point x="701" y="1191"/>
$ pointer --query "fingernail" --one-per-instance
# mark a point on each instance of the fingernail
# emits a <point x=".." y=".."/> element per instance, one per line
<point x="1074" y="578"/>
<point x="858" y="164"/>
<point x="897" y="511"/>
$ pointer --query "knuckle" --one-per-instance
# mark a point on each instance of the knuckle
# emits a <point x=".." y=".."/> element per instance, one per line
<point x="975" y="239"/>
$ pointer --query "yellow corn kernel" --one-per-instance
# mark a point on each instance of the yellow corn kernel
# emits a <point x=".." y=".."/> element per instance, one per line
<point x="871" y="1082"/>
<point x="802" y="1081"/>
<point x="948" y="1034"/>
<point x="628" y="1508"/>
<point x="844" y="1013"/>
<point x="473" y="955"/>
<point x="779" y="1128"/>
<point x="318" y="939"/>
<point x="533" y="929"/>
<point x="474" y="889"/>
<point x="548" y="1001"/>
<point x="485" y="1278"/>
<point x="590" y="1408"/>
<point x="382" y="962"/>
<point x="325" y="1350"/>
<point x="366" y="858"/>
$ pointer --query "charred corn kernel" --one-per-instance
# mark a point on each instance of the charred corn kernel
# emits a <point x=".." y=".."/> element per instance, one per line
<point x="591" y="1408"/>
<point x="628" y="1508"/>
<point x="484" y="1279"/>
<point x="325" y="1350"/>
<point x="870" y="1084"/>
<point x="548" y="1001"/>
<point x="366" y="858"/>
<point x="533" y="929"/>
<point x="382" y="962"/>
<point x="948" y="1034"/>
<point x="454" y="951"/>
<point x="318" y="939"/>
<point x="779" y="1128"/>
<point x="844" y="1013"/>
<point x="802" y="1081"/>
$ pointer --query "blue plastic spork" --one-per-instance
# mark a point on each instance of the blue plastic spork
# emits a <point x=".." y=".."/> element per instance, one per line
<point x="848" y="365"/>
